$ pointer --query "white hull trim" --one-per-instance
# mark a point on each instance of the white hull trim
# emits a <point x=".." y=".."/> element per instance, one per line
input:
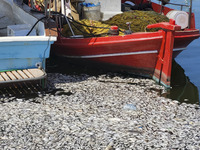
<point x="27" y="38"/>
<point x="121" y="54"/>
<point x="179" y="49"/>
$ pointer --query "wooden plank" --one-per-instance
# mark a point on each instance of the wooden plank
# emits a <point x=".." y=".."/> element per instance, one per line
<point x="22" y="74"/>
<point x="28" y="74"/>
<point x="16" y="75"/>
<point x="11" y="76"/>
<point x="4" y="75"/>
<point x="1" y="78"/>
<point x="36" y="72"/>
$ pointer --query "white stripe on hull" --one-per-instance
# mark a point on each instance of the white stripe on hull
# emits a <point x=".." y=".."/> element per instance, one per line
<point x="121" y="54"/>
<point x="179" y="49"/>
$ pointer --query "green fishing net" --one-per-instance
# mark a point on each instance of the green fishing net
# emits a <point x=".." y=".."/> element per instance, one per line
<point x="138" y="21"/>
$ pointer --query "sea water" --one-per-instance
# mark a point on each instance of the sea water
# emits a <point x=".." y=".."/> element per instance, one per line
<point x="189" y="59"/>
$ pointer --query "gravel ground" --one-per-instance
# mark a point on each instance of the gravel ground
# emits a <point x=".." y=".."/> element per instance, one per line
<point x="101" y="113"/>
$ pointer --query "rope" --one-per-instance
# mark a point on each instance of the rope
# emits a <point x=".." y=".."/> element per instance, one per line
<point x="34" y="26"/>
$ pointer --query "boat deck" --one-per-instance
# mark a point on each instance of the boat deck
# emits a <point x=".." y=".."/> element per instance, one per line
<point x="22" y="75"/>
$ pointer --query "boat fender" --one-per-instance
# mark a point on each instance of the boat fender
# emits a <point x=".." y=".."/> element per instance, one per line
<point x="114" y="30"/>
<point x="180" y="17"/>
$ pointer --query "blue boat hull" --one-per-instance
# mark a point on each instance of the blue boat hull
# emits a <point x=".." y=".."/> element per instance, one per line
<point x="23" y="54"/>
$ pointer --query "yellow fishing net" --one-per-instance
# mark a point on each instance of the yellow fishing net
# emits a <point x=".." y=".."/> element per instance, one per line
<point x="86" y="30"/>
<point x="138" y="22"/>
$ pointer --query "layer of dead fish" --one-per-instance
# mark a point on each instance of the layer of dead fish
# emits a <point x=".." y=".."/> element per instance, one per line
<point x="98" y="112"/>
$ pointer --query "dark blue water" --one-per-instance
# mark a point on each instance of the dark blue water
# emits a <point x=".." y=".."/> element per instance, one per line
<point x="189" y="59"/>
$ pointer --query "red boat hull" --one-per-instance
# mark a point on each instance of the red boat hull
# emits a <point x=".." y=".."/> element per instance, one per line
<point x="136" y="52"/>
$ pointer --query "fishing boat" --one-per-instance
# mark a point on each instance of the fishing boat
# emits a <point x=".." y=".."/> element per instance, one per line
<point x="24" y="44"/>
<point x="144" y="53"/>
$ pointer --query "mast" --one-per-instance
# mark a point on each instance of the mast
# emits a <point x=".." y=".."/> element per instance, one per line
<point x="190" y="14"/>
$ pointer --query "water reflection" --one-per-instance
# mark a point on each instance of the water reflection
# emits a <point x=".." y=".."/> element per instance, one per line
<point x="182" y="89"/>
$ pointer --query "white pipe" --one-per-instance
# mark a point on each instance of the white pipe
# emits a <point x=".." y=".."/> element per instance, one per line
<point x="62" y="7"/>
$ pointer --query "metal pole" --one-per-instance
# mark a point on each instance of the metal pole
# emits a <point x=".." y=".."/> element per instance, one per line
<point x="32" y="4"/>
<point x="45" y="9"/>
<point x="56" y="10"/>
<point x="65" y="7"/>
<point x="56" y="6"/>
<point x="69" y="25"/>
<point x="60" y="23"/>
<point x="190" y="14"/>
<point x="161" y="9"/>
<point x="49" y="9"/>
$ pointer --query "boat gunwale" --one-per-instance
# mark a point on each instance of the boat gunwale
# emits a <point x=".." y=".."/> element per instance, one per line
<point x="27" y="38"/>
<point x="135" y="35"/>
<point x="194" y="31"/>
<point x="189" y="30"/>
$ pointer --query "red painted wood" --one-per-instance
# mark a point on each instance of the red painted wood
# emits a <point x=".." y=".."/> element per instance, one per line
<point x="164" y="58"/>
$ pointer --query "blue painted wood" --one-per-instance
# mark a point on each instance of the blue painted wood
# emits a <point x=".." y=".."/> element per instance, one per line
<point x="23" y="54"/>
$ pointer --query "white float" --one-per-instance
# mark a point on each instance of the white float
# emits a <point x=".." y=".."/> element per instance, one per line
<point x="181" y="18"/>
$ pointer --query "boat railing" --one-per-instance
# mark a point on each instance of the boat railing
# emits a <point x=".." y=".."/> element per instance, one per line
<point x="189" y="5"/>
<point x="181" y="5"/>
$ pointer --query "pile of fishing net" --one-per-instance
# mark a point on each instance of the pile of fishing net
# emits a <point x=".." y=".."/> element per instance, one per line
<point x="87" y="28"/>
<point x="138" y="21"/>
